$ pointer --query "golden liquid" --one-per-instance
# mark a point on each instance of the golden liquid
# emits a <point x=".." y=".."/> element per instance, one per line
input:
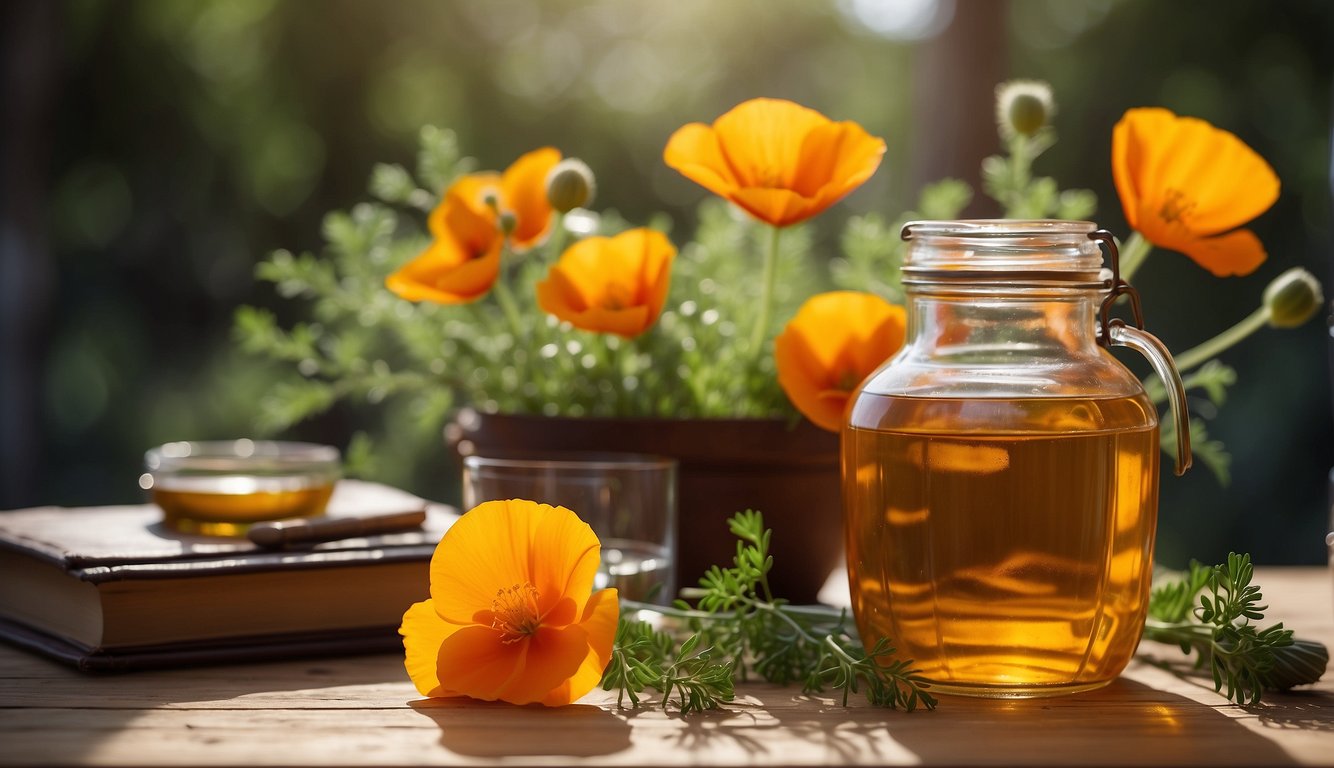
<point x="231" y="514"/>
<point x="1005" y="546"/>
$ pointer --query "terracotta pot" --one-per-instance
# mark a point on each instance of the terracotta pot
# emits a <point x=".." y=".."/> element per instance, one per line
<point x="790" y="473"/>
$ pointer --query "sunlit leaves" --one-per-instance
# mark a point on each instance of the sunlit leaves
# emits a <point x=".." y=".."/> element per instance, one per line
<point x="1211" y="611"/>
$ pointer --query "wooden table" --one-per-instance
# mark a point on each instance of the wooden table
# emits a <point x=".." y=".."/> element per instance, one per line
<point x="364" y="711"/>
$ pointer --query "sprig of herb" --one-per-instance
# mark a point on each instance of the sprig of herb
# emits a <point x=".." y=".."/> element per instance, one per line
<point x="643" y="657"/>
<point x="738" y="627"/>
<point x="1243" y="659"/>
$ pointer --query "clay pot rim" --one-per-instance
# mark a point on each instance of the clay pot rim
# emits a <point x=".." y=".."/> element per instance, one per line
<point x="716" y="443"/>
<point x="793" y="424"/>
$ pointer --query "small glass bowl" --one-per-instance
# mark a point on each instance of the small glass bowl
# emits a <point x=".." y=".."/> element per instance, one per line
<point x="221" y="488"/>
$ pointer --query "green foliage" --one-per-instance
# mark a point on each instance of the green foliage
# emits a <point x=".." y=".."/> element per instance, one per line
<point x="873" y="251"/>
<point x="360" y="458"/>
<point x="1209" y="611"/>
<point x="365" y="345"/>
<point x="741" y="627"/>
<point x="643" y="657"/>
<point x="1008" y="179"/>
<point x="1213" y="378"/>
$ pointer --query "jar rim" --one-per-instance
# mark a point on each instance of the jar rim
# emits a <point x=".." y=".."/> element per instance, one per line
<point x="996" y="227"/>
<point x="241" y="456"/>
<point x="572" y="461"/>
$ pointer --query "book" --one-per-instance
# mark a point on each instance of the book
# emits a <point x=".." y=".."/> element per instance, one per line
<point x="110" y="588"/>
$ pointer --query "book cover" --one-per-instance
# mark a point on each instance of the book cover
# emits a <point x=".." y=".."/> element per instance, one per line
<point x="110" y="588"/>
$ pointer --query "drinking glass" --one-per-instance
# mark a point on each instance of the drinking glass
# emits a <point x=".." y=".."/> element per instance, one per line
<point x="629" y="500"/>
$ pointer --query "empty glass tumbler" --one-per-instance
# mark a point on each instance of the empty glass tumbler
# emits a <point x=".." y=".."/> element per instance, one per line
<point x="1001" y="471"/>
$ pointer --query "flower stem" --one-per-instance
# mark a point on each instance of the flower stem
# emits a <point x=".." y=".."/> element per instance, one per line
<point x="1223" y="341"/>
<point x="508" y="305"/>
<point x="555" y="245"/>
<point x="1133" y="253"/>
<point x="1021" y="172"/>
<point x="758" y="332"/>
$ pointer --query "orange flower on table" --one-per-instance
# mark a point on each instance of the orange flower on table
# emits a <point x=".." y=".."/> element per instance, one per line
<point x="467" y="233"/>
<point x="835" y="341"/>
<point x="512" y="616"/>
<point x="1188" y="186"/>
<point x="779" y="161"/>
<point x="610" y="284"/>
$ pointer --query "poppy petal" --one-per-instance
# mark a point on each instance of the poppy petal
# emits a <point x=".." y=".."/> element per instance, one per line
<point x="599" y="621"/>
<point x="693" y="151"/>
<point x="487" y="549"/>
<point x="423" y="633"/>
<point x="554" y="655"/>
<point x="610" y="285"/>
<point x="777" y="160"/>
<point x="568" y="561"/>
<point x="473" y="278"/>
<point x="1130" y="139"/>
<point x="791" y="353"/>
<point x="415" y="280"/>
<point x="558" y="294"/>
<point x="1236" y="253"/>
<point x="445" y="275"/>
<point x="524" y="187"/>
<point x="835" y="341"/>
<point x="626" y="323"/>
<point x="474" y="661"/>
<point x="469" y="191"/>
<point x="659" y="254"/>
<point x="888" y="330"/>
<point x="1181" y="178"/>
<point x="1231" y="184"/>
<point x="779" y="207"/>
<point x="836" y="158"/>
<point x="762" y="140"/>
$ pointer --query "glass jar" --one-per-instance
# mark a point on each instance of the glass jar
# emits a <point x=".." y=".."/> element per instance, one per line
<point x="1001" y="471"/>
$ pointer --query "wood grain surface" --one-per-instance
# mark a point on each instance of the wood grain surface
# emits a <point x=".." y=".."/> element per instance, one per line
<point x="363" y="711"/>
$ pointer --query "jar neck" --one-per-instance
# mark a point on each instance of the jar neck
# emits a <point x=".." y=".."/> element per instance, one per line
<point x="986" y="324"/>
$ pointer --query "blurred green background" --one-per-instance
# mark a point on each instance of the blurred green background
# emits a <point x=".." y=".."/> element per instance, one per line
<point x="155" y="150"/>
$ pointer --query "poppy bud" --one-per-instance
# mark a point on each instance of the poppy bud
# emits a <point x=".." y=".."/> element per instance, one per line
<point x="1292" y="298"/>
<point x="507" y="221"/>
<point x="1023" y="107"/>
<point x="570" y="185"/>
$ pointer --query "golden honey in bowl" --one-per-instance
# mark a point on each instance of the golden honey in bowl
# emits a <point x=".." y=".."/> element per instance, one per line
<point x="221" y="488"/>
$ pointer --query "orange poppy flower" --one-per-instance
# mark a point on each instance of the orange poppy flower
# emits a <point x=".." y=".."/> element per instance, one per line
<point x="610" y="284"/>
<point x="1187" y="186"/>
<point x="835" y="341"/>
<point x="520" y="191"/>
<point x="463" y="260"/>
<point x="512" y="616"/>
<point x="779" y="161"/>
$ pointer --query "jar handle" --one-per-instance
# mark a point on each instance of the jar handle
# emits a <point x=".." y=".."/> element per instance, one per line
<point x="1145" y="343"/>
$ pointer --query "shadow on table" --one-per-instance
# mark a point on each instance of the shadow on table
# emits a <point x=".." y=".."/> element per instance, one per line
<point x="39" y="695"/>
<point x="1131" y="723"/>
<point x="1299" y="710"/>
<point x="496" y="729"/>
